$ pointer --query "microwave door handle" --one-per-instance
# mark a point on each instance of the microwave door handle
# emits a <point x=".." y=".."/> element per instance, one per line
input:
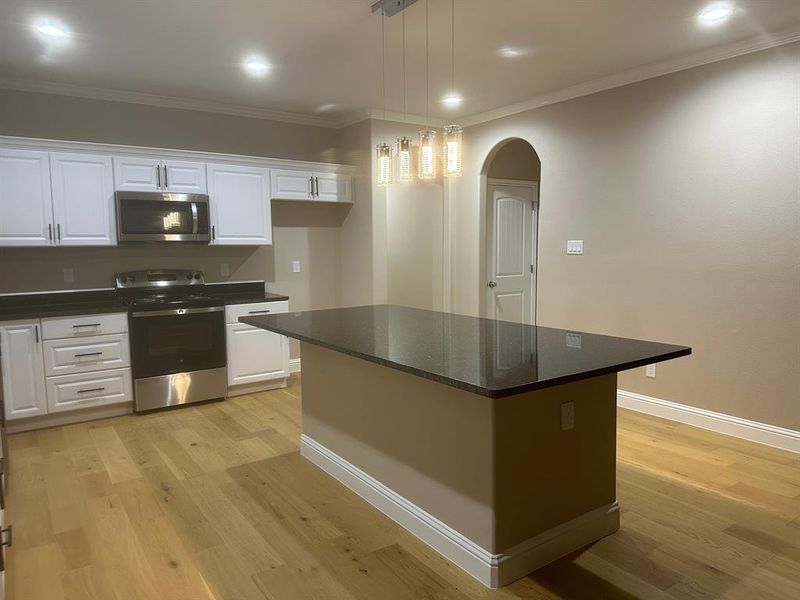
<point x="194" y="217"/>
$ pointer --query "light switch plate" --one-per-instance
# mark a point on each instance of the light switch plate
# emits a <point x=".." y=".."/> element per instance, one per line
<point x="295" y="266"/>
<point x="567" y="416"/>
<point x="69" y="275"/>
<point x="574" y="246"/>
<point x="650" y="371"/>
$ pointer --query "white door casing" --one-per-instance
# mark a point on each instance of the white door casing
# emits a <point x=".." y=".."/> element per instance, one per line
<point x="511" y="246"/>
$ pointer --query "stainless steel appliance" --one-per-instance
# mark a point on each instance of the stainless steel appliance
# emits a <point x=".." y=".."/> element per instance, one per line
<point x="177" y="336"/>
<point x="162" y="217"/>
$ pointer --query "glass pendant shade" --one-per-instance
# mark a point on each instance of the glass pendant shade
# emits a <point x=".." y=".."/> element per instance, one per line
<point x="404" y="159"/>
<point x="383" y="165"/>
<point x="427" y="154"/>
<point x="452" y="151"/>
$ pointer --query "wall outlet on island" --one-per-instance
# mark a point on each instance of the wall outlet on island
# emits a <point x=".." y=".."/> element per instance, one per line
<point x="567" y="416"/>
<point x="225" y="269"/>
<point x="650" y="371"/>
<point x="69" y="275"/>
<point x="295" y="266"/>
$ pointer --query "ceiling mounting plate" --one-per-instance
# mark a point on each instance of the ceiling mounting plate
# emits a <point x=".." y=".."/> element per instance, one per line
<point x="390" y="8"/>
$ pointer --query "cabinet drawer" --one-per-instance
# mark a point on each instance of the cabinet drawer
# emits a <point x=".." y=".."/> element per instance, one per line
<point x="86" y="354"/>
<point x="72" y="392"/>
<point x="83" y="326"/>
<point x="233" y="312"/>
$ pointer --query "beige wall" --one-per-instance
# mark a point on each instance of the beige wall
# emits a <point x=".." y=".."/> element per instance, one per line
<point x="515" y="160"/>
<point x="686" y="192"/>
<point x="310" y="234"/>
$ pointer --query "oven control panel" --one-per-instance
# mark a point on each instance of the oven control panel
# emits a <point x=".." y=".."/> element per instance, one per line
<point x="158" y="278"/>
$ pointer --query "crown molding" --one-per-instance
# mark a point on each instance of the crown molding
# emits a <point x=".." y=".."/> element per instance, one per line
<point x="390" y="115"/>
<point x="642" y="73"/>
<point x="94" y="93"/>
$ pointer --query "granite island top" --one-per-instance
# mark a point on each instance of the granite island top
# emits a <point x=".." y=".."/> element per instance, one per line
<point x="483" y="356"/>
<point x="87" y="302"/>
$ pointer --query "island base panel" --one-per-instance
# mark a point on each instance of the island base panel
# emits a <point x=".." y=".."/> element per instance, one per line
<point x="492" y="484"/>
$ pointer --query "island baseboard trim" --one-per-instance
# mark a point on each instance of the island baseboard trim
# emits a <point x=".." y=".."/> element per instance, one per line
<point x="753" y="431"/>
<point x="492" y="570"/>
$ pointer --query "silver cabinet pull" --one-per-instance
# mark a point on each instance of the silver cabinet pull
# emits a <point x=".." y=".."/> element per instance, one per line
<point x="166" y="183"/>
<point x="311" y="187"/>
<point x="213" y="233"/>
<point x="50" y="231"/>
<point x="99" y="389"/>
<point x="86" y="325"/>
<point x="58" y="232"/>
<point x="316" y="187"/>
<point x="88" y="354"/>
<point x="36" y="330"/>
<point x="258" y="312"/>
<point x="158" y="176"/>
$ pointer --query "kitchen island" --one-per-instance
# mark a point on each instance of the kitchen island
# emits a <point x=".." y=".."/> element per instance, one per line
<point x="493" y="442"/>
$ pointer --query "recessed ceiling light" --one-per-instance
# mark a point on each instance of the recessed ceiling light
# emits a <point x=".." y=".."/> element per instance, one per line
<point x="511" y="52"/>
<point x="257" y="66"/>
<point x="51" y="30"/>
<point x="452" y="100"/>
<point x="715" y="14"/>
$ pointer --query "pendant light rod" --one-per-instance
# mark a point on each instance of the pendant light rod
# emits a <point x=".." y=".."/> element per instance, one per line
<point x="404" y="61"/>
<point x="427" y="71"/>
<point x="452" y="45"/>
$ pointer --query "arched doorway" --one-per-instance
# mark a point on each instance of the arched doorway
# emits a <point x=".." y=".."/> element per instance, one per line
<point x="510" y="189"/>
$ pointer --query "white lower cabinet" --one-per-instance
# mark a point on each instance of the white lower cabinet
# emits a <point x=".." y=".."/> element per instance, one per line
<point x="23" y="369"/>
<point x="255" y="356"/>
<point x="43" y="376"/>
<point x="69" y="392"/>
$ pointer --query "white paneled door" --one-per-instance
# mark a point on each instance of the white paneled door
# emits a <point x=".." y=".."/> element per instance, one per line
<point x="137" y="174"/>
<point x="510" y="250"/>
<point x="26" y="209"/>
<point x="287" y="184"/>
<point x="184" y="177"/>
<point x="83" y="199"/>
<point x="23" y="369"/>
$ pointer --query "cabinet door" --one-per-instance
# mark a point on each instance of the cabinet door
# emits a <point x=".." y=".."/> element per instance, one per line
<point x="255" y="355"/>
<point x="138" y="174"/>
<point x="26" y="208"/>
<point x="83" y="199"/>
<point x="290" y="185"/>
<point x="184" y="177"/>
<point x="240" y="204"/>
<point x="23" y="369"/>
<point x="332" y="187"/>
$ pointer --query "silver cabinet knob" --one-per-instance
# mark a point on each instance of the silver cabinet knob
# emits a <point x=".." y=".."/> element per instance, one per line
<point x="492" y="284"/>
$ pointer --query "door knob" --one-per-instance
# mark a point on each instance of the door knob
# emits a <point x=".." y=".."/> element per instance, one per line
<point x="492" y="284"/>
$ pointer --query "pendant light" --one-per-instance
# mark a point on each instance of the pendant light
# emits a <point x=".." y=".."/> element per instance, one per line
<point x="403" y="143"/>
<point x="427" y="137"/>
<point x="452" y="146"/>
<point x="383" y="152"/>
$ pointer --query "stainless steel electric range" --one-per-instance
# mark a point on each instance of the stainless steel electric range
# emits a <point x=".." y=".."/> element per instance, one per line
<point x="177" y="336"/>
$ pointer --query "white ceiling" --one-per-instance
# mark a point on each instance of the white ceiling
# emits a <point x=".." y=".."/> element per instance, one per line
<point x="328" y="52"/>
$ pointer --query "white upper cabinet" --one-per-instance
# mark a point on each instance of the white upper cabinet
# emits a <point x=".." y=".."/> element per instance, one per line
<point x="83" y="199"/>
<point x="184" y="177"/>
<point x="23" y="369"/>
<point x="332" y="187"/>
<point x="26" y="209"/>
<point x="137" y="174"/>
<point x="240" y="205"/>
<point x="149" y="174"/>
<point x="287" y="184"/>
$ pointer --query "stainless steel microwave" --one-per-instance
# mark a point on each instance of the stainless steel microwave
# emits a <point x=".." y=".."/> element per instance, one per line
<point x="162" y="217"/>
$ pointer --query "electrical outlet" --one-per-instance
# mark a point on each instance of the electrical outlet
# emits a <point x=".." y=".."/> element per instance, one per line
<point x="574" y="246"/>
<point x="650" y="371"/>
<point x="295" y="266"/>
<point x="69" y="275"/>
<point x="574" y="340"/>
<point x="567" y="416"/>
<point x="225" y="269"/>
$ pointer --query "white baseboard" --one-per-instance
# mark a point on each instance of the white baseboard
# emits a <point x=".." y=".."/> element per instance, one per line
<point x="754" y="431"/>
<point x="492" y="570"/>
<point x="252" y="388"/>
<point x="294" y="365"/>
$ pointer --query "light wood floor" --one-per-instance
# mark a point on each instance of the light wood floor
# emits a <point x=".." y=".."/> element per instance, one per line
<point x="215" y="502"/>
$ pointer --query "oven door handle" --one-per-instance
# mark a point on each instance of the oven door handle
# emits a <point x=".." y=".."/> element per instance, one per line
<point x="177" y="312"/>
<point x="194" y="217"/>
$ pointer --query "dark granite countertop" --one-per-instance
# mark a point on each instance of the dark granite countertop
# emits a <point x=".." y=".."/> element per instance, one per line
<point x="483" y="356"/>
<point x="73" y="303"/>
